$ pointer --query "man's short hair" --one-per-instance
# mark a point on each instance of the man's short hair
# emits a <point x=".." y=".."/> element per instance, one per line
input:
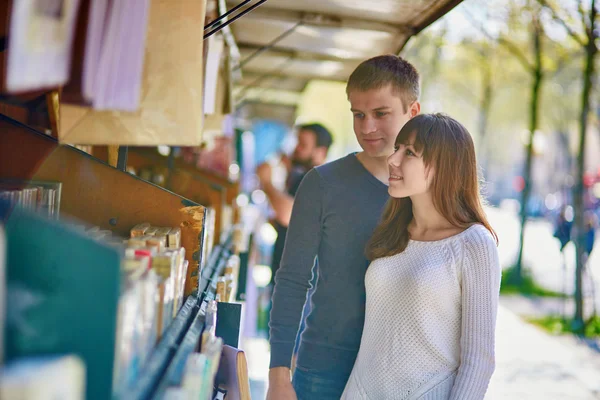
<point x="324" y="138"/>
<point x="380" y="71"/>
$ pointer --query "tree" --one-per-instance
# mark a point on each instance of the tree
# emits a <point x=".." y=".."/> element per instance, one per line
<point x="483" y="52"/>
<point x="425" y="52"/>
<point x="485" y="103"/>
<point x="587" y="41"/>
<point x="535" y="69"/>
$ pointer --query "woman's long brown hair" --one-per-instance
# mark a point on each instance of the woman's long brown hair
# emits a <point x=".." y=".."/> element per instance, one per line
<point x="448" y="148"/>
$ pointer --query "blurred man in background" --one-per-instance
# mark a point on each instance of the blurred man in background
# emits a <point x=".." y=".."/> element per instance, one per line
<point x="314" y="141"/>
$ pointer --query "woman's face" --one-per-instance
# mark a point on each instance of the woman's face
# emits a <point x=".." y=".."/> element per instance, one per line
<point x="409" y="176"/>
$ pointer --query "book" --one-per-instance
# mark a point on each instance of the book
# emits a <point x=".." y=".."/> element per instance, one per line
<point x="63" y="290"/>
<point x="114" y="54"/>
<point x="40" y="41"/>
<point x="37" y="196"/>
<point x="43" y="378"/>
<point x="2" y="290"/>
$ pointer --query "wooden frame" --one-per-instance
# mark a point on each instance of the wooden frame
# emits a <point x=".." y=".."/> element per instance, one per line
<point x="203" y="187"/>
<point x="99" y="194"/>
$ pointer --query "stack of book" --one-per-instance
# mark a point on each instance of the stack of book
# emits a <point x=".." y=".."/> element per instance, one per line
<point x="42" y="197"/>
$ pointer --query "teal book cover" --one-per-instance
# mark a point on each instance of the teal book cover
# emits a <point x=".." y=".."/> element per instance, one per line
<point x="62" y="296"/>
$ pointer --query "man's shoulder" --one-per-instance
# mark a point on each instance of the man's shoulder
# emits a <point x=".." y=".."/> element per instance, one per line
<point x="338" y="170"/>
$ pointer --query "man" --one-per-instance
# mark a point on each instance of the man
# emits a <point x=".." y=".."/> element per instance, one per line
<point x="336" y="209"/>
<point x="311" y="150"/>
<point x="563" y="228"/>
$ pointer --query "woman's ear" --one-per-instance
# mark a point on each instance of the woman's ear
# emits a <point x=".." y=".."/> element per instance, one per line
<point x="429" y="175"/>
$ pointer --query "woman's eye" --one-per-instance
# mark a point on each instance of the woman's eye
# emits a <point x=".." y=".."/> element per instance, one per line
<point x="409" y="153"/>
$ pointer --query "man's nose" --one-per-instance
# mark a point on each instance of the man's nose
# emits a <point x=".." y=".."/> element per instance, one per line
<point x="369" y="126"/>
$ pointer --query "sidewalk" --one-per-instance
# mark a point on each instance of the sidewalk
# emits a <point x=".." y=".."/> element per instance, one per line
<point x="530" y="364"/>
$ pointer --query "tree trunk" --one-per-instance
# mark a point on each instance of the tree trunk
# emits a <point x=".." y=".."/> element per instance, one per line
<point x="485" y="107"/>
<point x="566" y="164"/>
<point x="538" y="77"/>
<point x="578" y="195"/>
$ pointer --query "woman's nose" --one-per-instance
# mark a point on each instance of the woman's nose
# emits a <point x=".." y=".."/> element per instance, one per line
<point x="395" y="159"/>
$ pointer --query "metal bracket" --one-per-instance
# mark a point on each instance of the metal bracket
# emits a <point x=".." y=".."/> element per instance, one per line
<point x="122" y="159"/>
<point x="220" y="25"/>
<point x="221" y="17"/>
<point x="170" y="167"/>
<point x="269" y="74"/>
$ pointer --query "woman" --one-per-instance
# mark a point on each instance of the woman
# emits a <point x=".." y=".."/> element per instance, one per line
<point x="433" y="283"/>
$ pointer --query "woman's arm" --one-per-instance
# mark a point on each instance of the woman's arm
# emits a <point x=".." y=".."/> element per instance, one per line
<point x="480" y="281"/>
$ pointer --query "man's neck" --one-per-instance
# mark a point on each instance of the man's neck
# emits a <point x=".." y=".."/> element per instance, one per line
<point x="377" y="166"/>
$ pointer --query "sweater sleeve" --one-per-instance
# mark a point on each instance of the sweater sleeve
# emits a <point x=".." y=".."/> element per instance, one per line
<point x="480" y="284"/>
<point x="292" y="280"/>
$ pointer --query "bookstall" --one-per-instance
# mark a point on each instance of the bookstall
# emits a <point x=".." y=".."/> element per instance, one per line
<point x="116" y="284"/>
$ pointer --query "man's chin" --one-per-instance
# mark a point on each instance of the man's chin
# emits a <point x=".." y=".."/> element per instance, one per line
<point x="377" y="153"/>
<point x="302" y="164"/>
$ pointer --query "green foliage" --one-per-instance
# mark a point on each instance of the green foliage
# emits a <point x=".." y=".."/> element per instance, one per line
<point x="592" y="327"/>
<point x="525" y="285"/>
<point x="557" y="325"/>
<point x="452" y="67"/>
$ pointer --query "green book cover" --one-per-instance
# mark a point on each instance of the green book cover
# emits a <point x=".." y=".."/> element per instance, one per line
<point x="62" y="296"/>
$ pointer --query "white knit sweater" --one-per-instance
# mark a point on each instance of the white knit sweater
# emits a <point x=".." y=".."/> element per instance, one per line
<point x="430" y="321"/>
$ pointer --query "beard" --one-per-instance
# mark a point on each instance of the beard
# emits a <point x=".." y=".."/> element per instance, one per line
<point x="302" y="163"/>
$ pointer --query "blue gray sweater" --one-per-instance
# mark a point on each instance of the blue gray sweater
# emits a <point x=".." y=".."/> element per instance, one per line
<point x="336" y="209"/>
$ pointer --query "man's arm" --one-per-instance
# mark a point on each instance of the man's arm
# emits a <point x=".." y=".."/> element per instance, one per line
<point x="281" y="202"/>
<point x="293" y="278"/>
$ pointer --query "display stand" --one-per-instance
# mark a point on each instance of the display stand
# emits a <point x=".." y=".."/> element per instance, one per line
<point x="98" y="192"/>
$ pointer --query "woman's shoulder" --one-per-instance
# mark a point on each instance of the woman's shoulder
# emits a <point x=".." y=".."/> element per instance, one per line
<point x="478" y="232"/>
<point x="479" y="242"/>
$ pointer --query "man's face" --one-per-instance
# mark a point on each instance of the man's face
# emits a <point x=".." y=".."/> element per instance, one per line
<point x="378" y="117"/>
<point x="304" y="151"/>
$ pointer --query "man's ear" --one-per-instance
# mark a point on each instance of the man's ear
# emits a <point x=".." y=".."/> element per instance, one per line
<point x="415" y="109"/>
<point x="320" y="155"/>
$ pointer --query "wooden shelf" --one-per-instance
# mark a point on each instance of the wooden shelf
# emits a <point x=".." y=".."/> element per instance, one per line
<point x="203" y="187"/>
<point x="140" y="157"/>
<point x="99" y="194"/>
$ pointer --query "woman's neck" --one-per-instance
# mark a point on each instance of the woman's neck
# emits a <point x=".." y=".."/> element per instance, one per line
<point x="426" y="218"/>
